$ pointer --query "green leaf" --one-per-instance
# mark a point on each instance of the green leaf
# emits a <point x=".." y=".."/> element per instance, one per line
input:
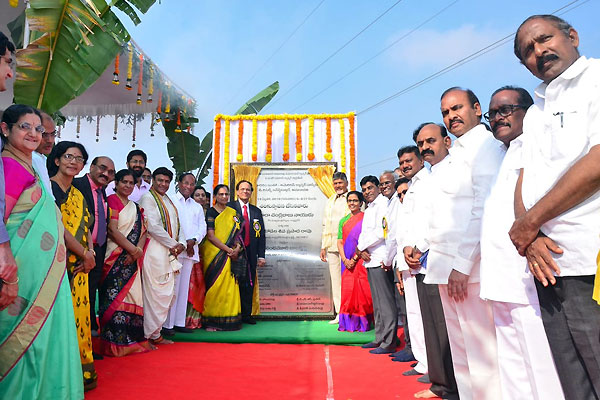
<point x="17" y="28"/>
<point x="183" y="148"/>
<point x="257" y="103"/>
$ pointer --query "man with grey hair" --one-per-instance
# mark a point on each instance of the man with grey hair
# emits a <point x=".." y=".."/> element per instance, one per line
<point x="335" y="210"/>
<point x="557" y="203"/>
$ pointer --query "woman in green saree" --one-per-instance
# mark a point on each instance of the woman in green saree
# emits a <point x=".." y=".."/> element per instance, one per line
<point x="39" y="357"/>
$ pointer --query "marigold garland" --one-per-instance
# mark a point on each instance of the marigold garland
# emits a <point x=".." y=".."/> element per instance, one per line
<point x="328" y="152"/>
<point x="138" y="100"/>
<point x="151" y="85"/>
<point x="159" y="107"/>
<point x="352" y="154"/>
<point x="269" y="154"/>
<point x="216" y="152"/>
<point x="152" y="122"/>
<point x="254" y="140"/>
<point x="226" y="143"/>
<point x="286" y="140"/>
<point x="240" y="147"/>
<point x="115" y="80"/>
<point x="311" y="139"/>
<point x="129" y="67"/>
<point x="134" y="129"/>
<point x="342" y="145"/>
<point x="178" y="127"/>
<point x="168" y="109"/>
<point x="298" y="139"/>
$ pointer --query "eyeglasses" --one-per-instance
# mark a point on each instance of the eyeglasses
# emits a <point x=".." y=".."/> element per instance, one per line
<point x="26" y="126"/>
<point x="70" y="157"/>
<point x="402" y="193"/>
<point x="9" y="61"/>
<point x="49" y="135"/>
<point x="104" y="168"/>
<point x="504" y="111"/>
<point x="353" y="201"/>
<point x="386" y="183"/>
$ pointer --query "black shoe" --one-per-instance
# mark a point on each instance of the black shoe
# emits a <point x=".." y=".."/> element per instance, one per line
<point x="413" y="365"/>
<point x="404" y="356"/>
<point x="97" y="356"/>
<point x="381" y="350"/>
<point x="411" y="372"/>
<point x="182" y="329"/>
<point x="167" y="332"/>
<point x="424" y="379"/>
<point x="249" y="320"/>
<point x="371" y="345"/>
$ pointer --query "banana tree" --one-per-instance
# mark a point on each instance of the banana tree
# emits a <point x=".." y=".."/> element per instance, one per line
<point x="72" y="43"/>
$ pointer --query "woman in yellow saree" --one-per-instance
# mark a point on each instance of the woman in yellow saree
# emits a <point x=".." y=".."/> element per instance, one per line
<point x="64" y="163"/>
<point x="39" y="357"/>
<point x="222" y="306"/>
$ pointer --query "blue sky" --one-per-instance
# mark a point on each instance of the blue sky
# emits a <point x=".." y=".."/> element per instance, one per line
<point x="212" y="48"/>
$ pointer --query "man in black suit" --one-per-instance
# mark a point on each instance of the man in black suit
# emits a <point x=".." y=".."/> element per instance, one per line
<point x="92" y="185"/>
<point x="253" y="234"/>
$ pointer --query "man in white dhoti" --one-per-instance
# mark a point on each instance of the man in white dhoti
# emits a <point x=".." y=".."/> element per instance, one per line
<point x="525" y="362"/>
<point x="191" y="217"/>
<point x="160" y="260"/>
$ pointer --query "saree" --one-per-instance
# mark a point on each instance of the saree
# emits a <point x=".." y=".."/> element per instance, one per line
<point x="356" y="310"/>
<point x="39" y="357"/>
<point x="77" y="221"/>
<point x="120" y="292"/>
<point x="196" y="293"/>
<point x="222" y="305"/>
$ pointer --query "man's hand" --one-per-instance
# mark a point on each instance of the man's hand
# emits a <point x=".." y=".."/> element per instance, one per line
<point x="412" y="256"/>
<point x="177" y="249"/>
<point x="522" y="233"/>
<point x="190" y="247"/>
<point x="540" y="261"/>
<point x="386" y="267"/>
<point x="400" y="287"/>
<point x="261" y="262"/>
<point x="323" y="255"/>
<point x="365" y="256"/>
<point x="457" y="285"/>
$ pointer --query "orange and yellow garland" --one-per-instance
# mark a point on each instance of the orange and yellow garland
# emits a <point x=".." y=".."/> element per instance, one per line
<point x="328" y="152"/>
<point x="216" y="152"/>
<point x="138" y="100"/>
<point x="286" y="140"/>
<point x="342" y="145"/>
<point x="352" y="154"/>
<point x="240" y="150"/>
<point x="269" y="154"/>
<point x="311" y="139"/>
<point x="115" y="80"/>
<point x="226" y="143"/>
<point x="254" y="140"/>
<point x="298" y="139"/>
<point x="129" y="66"/>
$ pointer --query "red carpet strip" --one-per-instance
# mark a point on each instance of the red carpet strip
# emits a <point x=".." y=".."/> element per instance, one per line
<point x="253" y="371"/>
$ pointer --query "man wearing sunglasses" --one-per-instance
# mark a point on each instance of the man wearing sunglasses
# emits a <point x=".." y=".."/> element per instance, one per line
<point x="557" y="197"/>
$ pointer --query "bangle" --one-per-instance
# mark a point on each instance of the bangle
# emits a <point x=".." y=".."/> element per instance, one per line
<point x="11" y="283"/>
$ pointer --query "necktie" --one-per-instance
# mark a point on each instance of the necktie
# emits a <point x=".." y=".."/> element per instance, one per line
<point x="101" y="234"/>
<point x="247" y="233"/>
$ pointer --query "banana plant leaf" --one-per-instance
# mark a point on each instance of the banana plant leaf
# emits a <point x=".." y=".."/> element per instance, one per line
<point x="127" y="6"/>
<point x="252" y="106"/>
<point x="183" y="148"/>
<point x="16" y="28"/>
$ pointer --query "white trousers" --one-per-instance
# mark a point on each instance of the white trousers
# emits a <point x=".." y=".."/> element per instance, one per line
<point x="527" y="370"/>
<point x="178" y="308"/>
<point x="415" y="322"/>
<point x="335" y="271"/>
<point x="472" y="337"/>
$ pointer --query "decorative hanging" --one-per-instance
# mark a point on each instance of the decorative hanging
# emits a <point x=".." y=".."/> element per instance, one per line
<point x="159" y="107"/>
<point x="168" y="109"/>
<point x="115" y="128"/>
<point x="78" y="130"/>
<point x="152" y="122"/>
<point x="254" y="140"/>
<point x="311" y="139"/>
<point x="178" y="127"/>
<point x="298" y="139"/>
<point x="328" y="152"/>
<point x="134" y="129"/>
<point x="240" y="147"/>
<point x="115" y="80"/>
<point x="129" y="66"/>
<point x="226" y="145"/>
<point x="342" y="145"/>
<point x="269" y="153"/>
<point x="59" y="130"/>
<point x="286" y="140"/>
<point x="13" y="3"/>
<point x="140" y="79"/>
<point x="217" y="152"/>
<point x="97" y="129"/>
<point x="352" y="154"/>
<point x="151" y="84"/>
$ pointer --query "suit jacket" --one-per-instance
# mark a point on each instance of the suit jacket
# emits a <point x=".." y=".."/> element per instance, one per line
<point x="256" y="249"/>
<point x="83" y="184"/>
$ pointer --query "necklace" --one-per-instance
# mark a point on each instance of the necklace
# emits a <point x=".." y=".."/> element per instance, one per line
<point x="23" y="162"/>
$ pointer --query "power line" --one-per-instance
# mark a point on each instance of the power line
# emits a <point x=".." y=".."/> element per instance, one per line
<point x="376" y="55"/>
<point x="333" y="54"/>
<point x="458" y="63"/>
<point x="273" y="54"/>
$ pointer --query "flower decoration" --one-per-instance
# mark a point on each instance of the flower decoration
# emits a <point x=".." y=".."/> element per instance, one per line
<point x="240" y="147"/>
<point x="168" y="109"/>
<point x="352" y="153"/>
<point x="115" y="80"/>
<point x="269" y="154"/>
<point x="226" y="143"/>
<point x="216" y="151"/>
<point x="152" y="122"/>
<point x="178" y="127"/>
<point x="129" y="66"/>
<point x="138" y="101"/>
<point x="159" y="107"/>
<point x="254" y="140"/>
<point x="78" y="129"/>
<point x="342" y="145"/>
<point x="97" y="129"/>
<point x="116" y="127"/>
<point x="298" y="139"/>
<point x="311" y="139"/>
<point x="286" y="140"/>
<point x="134" y="130"/>
<point x="328" y="152"/>
<point x="151" y="85"/>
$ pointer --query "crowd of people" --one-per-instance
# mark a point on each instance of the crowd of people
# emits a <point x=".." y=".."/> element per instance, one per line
<point x="489" y="254"/>
<point x="484" y="248"/>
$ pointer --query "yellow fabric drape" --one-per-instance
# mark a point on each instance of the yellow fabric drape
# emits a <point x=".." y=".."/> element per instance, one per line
<point x="596" y="294"/>
<point x="323" y="178"/>
<point x="247" y="173"/>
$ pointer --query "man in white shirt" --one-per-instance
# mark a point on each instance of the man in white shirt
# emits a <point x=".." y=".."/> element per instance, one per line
<point x="371" y="247"/>
<point x="193" y="227"/>
<point x="136" y="162"/>
<point x="557" y="199"/>
<point x="433" y="143"/>
<point x="335" y="210"/>
<point x="524" y="359"/>
<point x="38" y="157"/>
<point x="461" y="187"/>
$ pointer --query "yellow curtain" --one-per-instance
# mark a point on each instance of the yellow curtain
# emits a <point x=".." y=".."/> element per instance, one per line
<point x="247" y="173"/>
<point x="323" y="178"/>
